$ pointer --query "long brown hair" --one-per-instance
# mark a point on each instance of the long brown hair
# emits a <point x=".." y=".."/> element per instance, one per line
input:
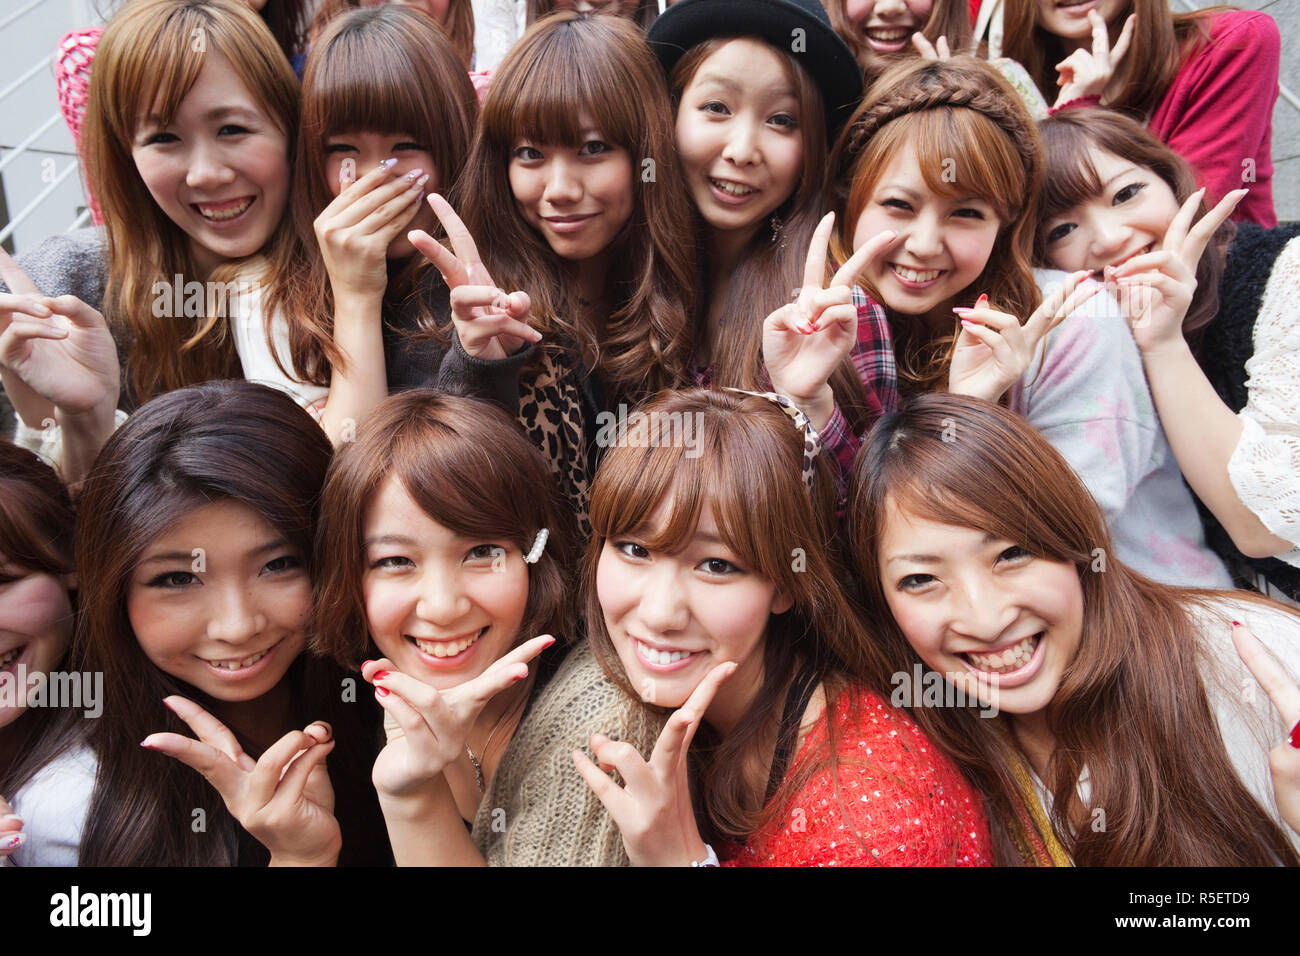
<point x="36" y="537"/>
<point x="1072" y="180"/>
<point x="748" y="462"/>
<point x="217" y="441"/>
<point x="1162" y="41"/>
<point x="1131" y="707"/>
<point x="563" y="65"/>
<point x="466" y="464"/>
<point x="948" y="18"/>
<point x="147" y="61"/>
<point x="972" y="136"/>
<point x="383" y="69"/>
<point x="459" y="28"/>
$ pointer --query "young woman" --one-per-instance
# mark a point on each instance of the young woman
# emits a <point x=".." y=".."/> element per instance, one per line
<point x="1204" y="82"/>
<point x="572" y="195"/>
<point x="1213" y="314"/>
<point x="189" y="132"/>
<point x="196" y="524"/>
<point x="881" y="31"/>
<point x="37" y="597"/>
<point x="456" y="554"/>
<point x="1128" y="732"/>
<point x="753" y="119"/>
<point x="387" y="116"/>
<point x="944" y="155"/>
<point x="783" y="749"/>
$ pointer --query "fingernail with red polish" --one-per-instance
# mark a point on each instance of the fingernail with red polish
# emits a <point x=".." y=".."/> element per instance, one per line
<point x="380" y="675"/>
<point x="381" y="691"/>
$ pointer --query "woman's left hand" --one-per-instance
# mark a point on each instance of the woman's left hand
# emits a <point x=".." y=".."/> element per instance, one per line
<point x="1284" y="759"/>
<point x="994" y="349"/>
<point x="1087" y="73"/>
<point x="804" y="341"/>
<point x="653" y="808"/>
<point x="1155" y="289"/>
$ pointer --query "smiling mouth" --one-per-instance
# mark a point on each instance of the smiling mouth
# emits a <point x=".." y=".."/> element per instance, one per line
<point x="658" y="657"/>
<point x="1009" y="659"/>
<point x="730" y="188"/>
<point x="223" y="211"/>
<point x="888" y="34"/>
<point x="916" y="275"/>
<point x="447" y="648"/>
<point x="9" y="657"/>
<point x="241" y="663"/>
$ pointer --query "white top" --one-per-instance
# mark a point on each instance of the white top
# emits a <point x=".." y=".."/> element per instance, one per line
<point x="53" y="807"/>
<point x="497" y="25"/>
<point x="1265" y="466"/>
<point x="247" y="324"/>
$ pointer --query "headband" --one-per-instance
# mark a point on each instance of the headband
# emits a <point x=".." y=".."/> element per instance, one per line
<point x="812" y="443"/>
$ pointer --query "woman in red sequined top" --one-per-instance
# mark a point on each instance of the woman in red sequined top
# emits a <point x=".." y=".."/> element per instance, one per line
<point x="783" y="749"/>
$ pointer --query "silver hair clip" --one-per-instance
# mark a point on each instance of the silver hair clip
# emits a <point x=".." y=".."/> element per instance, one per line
<point x="812" y="443"/>
<point x="539" y="545"/>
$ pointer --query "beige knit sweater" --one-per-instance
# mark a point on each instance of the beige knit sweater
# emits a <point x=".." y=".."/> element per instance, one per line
<point x="538" y="811"/>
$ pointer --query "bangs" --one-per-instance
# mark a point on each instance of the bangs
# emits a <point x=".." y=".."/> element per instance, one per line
<point x="166" y="73"/>
<point x="636" y="481"/>
<point x="563" y="72"/>
<point x="1070" y="177"/>
<point x="962" y="154"/>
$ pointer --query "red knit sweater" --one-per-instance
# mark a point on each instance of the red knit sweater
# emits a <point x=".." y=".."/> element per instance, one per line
<point x="908" y="804"/>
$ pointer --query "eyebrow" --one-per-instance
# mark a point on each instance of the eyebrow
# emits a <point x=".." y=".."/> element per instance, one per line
<point x="389" y="539"/>
<point x="1119" y="175"/>
<point x="213" y="115"/>
<point x="781" y="89"/>
<point x="169" y="557"/>
<point x="935" y="559"/>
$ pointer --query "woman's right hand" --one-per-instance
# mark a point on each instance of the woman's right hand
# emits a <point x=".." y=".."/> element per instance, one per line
<point x="489" y="323"/>
<point x="1087" y="73"/>
<point x="355" y="230"/>
<point x="284" y="798"/>
<point x="11" y="830"/>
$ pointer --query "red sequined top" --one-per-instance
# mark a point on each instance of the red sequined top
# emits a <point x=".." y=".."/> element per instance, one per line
<point x="908" y="803"/>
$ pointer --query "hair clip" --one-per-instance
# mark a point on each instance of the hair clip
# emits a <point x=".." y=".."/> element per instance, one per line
<point x="812" y="442"/>
<point x="539" y="545"/>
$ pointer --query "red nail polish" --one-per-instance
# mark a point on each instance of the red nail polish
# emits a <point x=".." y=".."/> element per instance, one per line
<point x="380" y="675"/>
<point x="366" y="663"/>
<point x="381" y="691"/>
<point x="1236" y="624"/>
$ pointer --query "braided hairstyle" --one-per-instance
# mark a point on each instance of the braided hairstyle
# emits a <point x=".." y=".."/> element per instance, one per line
<point x="972" y="137"/>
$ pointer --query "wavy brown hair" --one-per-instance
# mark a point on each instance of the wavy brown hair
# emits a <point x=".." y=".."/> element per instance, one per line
<point x="563" y="65"/>
<point x="381" y="69"/>
<point x="36" y="537"/>
<point x="459" y="28"/>
<point x="1131" y="706"/>
<point x="948" y="18"/>
<point x="749" y="463"/>
<point x="1162" y="41"/>
<point x="145" y="64"/>
<point x="1071" y="180"/>
<point x="466" y="464"/>
<point x="961" y="117"/>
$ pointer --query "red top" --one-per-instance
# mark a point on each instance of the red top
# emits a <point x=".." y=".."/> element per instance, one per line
<point x="907" y="802"/>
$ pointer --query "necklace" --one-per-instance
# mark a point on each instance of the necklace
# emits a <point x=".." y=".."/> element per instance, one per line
<point x="475" y="761"/>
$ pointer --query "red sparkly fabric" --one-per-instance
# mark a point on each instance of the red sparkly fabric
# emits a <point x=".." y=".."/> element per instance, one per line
<point x="907" y="802"/>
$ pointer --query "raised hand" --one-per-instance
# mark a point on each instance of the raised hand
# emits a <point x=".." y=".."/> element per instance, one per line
<point x="284" y="799"/>
<point x="355" y="230"/>
<point x="994" y="349"/>
<point x="11" y="830"/>
<point x="804" y="341"/>
<point x="62" y="350"/>
<point x="489" y="323"/>
<point x="427" y="729"/>
<point x="1284" y="759"/>
<point x="931" y="51"/>
<point x="653" y="808"/>
<point x="1086" y="73"/>
<point x="1155" y="289"/>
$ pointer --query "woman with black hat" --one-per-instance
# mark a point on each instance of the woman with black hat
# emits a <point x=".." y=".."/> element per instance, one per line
<point x="759" y="87"/>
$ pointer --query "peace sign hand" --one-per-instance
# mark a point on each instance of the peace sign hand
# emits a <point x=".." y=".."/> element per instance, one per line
<point x="1284" y="759"/>
<point x="994" y="349"/>
<point x="653" y="808"/>
<point x="489" y="323"/>
<point x="938" y="50"/>
<point x="804" y="341"/>
<point x="427" y="729"/>
<point x="1155" y="289"/>
<point x="283" y="799"/>
<point x="1085" y="73"/>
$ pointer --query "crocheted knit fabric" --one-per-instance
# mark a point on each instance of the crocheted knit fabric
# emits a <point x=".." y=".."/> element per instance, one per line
<point x="907" y="804"/>
<point x="72" y="76"/>
<point x="538" y="811"/>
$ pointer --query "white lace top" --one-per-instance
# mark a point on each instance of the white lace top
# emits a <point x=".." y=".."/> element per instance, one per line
<point x="497" y="25"/>
<point x="1265" y="467"/>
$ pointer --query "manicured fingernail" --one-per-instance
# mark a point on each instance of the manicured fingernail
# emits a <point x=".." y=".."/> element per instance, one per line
<point x="365" y="663"/>
<point x="421" y="181"/>
<point x="420" y="197"/>
<point x="962" y="310"/>
<point x="1236" y="624"/>
<point x="388" y="164"/>
<point x="969" y="325"/>
<point x="16" y="841"/>
<point x="380" y="675"/>
<point x="413" y="174"/>
<point x="381" y="691"/>
<point x="982" y="298"/>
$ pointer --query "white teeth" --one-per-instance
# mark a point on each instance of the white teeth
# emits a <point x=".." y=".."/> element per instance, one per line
<point x="220" y="215"/>
<point x="732" y="189"/>
<point x="1010" y="659"/>
<point x="662" y="658"/>
<point x="888" y="36"/>
<point x="917" y="275"/>
<point x="240" y="665"/>
<point x="447" y="648"/>
<point x="9" y="657"/>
